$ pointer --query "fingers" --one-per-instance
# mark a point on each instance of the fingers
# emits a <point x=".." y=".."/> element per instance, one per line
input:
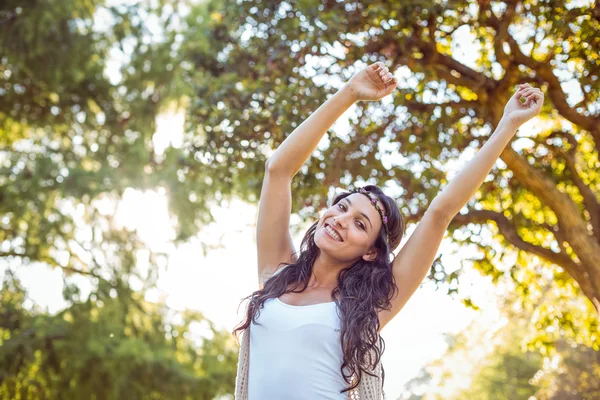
<point x="377" y="66"/>
<point x="384" y="73"/>
<point x="380" y="68"/>
<point x="526" y="90"/>
<point x="530" y="94"/>
<point x="387" y="78"/>
<point x="523" y="88"/>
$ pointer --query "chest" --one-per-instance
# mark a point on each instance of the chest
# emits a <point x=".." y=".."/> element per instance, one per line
<point x="308" y="297"/>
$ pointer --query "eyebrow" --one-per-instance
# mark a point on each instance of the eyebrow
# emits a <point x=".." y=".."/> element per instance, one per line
<point x="362" y="213"/>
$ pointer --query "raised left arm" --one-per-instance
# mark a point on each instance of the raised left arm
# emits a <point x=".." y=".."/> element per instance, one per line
<point x="414" y="259"/>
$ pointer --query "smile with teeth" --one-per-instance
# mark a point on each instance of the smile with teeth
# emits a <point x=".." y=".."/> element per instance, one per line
<point x="332" y="233"/>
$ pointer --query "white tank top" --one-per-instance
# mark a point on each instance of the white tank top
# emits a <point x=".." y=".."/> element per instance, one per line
<point x="296" y="354"/>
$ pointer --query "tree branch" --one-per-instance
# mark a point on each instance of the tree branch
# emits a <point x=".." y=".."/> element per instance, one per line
<point x="415" y="106"/>
<point x="590" y="200"/>
<point x="557" y="95"/>
<point x="544" y="70"/>
<point x="508" y="230"/>
<point x="445" y="64"/>
<point x="567" y="212"/>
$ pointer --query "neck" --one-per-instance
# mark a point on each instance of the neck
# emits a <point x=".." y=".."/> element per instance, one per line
<point x="325" y="272"/>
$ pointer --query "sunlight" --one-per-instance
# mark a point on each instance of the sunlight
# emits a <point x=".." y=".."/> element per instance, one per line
<point x="147" y="213"/>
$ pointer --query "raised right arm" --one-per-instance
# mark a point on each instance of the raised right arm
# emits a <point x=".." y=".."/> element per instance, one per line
<point x="273" y="238"/>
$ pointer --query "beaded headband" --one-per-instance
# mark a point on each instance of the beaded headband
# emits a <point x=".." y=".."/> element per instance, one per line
<point x="374" y="202"/>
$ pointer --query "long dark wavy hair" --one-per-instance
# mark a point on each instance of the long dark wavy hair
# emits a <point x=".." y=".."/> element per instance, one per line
<point x="363" y="289"/>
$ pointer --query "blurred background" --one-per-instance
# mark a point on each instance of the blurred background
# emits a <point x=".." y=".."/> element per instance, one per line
<point x="133" y="138"/>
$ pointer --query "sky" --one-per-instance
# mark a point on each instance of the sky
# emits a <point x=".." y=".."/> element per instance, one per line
<point x="216" y="283"/>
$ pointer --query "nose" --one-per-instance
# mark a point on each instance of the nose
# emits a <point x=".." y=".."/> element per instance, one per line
<point x="336" y="222"/>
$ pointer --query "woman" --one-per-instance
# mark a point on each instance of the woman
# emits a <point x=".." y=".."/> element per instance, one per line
<point x="314" y="323"/>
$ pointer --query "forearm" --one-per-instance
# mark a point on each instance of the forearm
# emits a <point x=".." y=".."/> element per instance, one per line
<point x="465" y="184"/>
<point x="297" y="148"/>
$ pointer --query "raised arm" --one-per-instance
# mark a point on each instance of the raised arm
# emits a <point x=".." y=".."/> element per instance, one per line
<point x="273" y="239"/>
<point x="414" y="259"/>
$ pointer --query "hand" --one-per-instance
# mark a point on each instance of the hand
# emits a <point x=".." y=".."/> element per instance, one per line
<point x="372" y="83"/>
<point x="517" y="113"/>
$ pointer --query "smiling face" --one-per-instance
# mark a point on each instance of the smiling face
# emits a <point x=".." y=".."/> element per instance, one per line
<point x="356" y="227"/>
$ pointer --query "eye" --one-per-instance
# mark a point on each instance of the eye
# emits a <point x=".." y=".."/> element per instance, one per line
<point x="360" y="224"/>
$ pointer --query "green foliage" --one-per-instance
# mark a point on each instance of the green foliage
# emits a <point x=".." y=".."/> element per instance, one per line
<point x="506" y="377"/>
<point x="247" y="74"/>
<point x="70" y="137"/>
<point x="494" y="360"/>
<point x="575" y="375"/>
<point x="109" y="347"/>
<point x="260" y="69"/>
<point x="481" y="363"/>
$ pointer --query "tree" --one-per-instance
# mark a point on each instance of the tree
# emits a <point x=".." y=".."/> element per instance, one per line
<point x="112" y="345"/>
<point x="573" y="376"/>
<point x="248" y="73"/>
<point x="262" y="68"/>
<point x="482" y="362"/>
<point x="507" y="376"/>
<point x="70" y="136"/>
<point x="502" y="359"/>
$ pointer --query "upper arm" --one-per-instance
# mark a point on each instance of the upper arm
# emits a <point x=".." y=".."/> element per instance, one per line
<point x="414" y="260"/>
<point x="273" y="239"/>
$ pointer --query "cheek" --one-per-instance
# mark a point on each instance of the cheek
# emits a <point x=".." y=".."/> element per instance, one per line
<point x="358" y="236"/>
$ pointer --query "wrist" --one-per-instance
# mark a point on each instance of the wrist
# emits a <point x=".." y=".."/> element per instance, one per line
<point x="349" y="92"/>
<point x="509" y="123"/>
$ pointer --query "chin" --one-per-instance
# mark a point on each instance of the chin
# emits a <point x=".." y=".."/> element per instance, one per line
<point x="322" y="241"/>
<point x="319" y="239"/>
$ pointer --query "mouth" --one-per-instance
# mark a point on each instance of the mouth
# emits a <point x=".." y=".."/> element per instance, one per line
<point x="333" y="236"/>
